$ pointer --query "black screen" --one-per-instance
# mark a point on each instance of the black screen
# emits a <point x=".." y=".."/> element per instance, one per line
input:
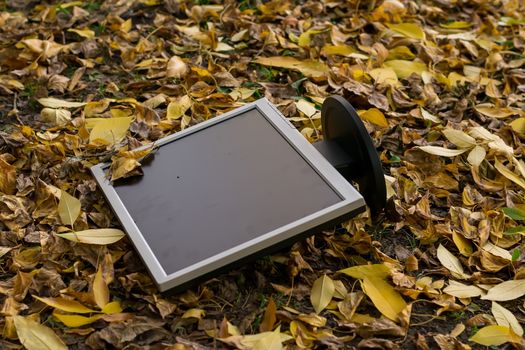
<point x="219" y="187"/>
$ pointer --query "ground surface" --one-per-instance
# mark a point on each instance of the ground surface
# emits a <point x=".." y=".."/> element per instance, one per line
<point x="440" y="85"/>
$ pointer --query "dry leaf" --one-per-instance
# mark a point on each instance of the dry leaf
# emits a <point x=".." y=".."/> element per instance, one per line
<point x="384" y="297"/>
<point x="508" y="290"/>
<point x="100" y="289"/>
<point x="110" y="130"/>
<point x="495" y="335"/>
<point x="310" y="68"/>
<point x="68" y="208"/>
<point x="441" y="151"/>
<point x="35" y="336"/>
<point x="506" y="318"/>
<point x="448" y="260"/>
<point x="460" y="290"/>
<point x="52" y="102"/>
<point x="322" y="293"/>
<point x="177" y="68"/>
<point x="64" y="304"/>
<point x="101" y="236"/>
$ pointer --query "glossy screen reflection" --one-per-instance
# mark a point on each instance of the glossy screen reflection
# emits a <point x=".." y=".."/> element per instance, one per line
<point x="220" y="187"/>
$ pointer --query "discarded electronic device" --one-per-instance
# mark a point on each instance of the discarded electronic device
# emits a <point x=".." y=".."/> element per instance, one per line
<point x="242" y="185"/>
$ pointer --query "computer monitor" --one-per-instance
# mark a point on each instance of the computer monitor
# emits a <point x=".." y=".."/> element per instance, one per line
<point x="232" y="188"/>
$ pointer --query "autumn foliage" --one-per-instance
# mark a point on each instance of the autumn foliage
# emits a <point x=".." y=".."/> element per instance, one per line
<point x="440" y="85"/>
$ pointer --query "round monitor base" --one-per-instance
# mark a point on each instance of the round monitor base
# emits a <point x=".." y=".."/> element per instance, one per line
<point x="342" y="124"/>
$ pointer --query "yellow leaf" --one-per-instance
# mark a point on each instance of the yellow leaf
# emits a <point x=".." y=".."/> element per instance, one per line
<point x="476" y="156"/>
<point x="194" y="313"/>
<point x="126" y="25"/>
<point x="101" y="236"/>
<point x="374" y="116"/>
<point x="52" y="102"/>
<point x="441" y="151"/>
<point x="459" y="138"/>
<point x="177" y="68"/>
<point x="497" y="251"/>
<point x="100" y="289"/>
<point x="460" y="290"/>
<point x="68" y="208"/>
<point x="342" y="50"/>
<point x="266" y="340"/>
<point x="497" y="112"/>
<point x="7" y="177"/>
<point x="367" y="271"/>
<point x="404" y="68"/>
<point x="310" y="68"/>
<point x="323" y="290"/>
<point x="269" y="317"/>
<point x="96" y="107"/>
<point x="385" y="298"/>
<point x="506" y="318"/>
<point x="463" y="244"/>
<point x="400" y="53"/>
<point x="85" y="33"/>
<point x="74" y="321"/>
<point x="508" y="290"/>
<point x="495" y="335"/>
<point x="110" y="130"/>
<point x="456" y="25"/>
<point x="509" y="174"/>
<point x="429" y="116"/>
<point x="35" y="336"/>
<point x="518" y="125"/>
<point x="178" y="108"/>
<point x="122" y="166"/>
<point x="448" y="260"/>
<point x="306" y="37"/>
<point x="307" y="108"/>
<point x="112" y="308"/>
<point x="65" y="304"/>
<point x="384" y="76"/>
<point x="410" y="30"/>
<point x="55" y="116"/>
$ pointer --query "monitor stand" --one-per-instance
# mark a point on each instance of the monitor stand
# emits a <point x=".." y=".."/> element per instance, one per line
<point x="349" y="148"/>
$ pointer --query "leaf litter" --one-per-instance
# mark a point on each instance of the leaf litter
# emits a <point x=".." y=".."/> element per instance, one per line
<point x="439" y="86"/>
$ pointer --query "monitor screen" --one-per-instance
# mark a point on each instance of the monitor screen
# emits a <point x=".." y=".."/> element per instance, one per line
<point x="219" y="187"/>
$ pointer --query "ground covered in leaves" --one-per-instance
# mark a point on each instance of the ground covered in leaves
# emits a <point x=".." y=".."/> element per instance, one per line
<point x="440" y="85"/>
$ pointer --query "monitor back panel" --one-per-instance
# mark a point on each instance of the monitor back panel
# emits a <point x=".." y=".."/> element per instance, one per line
<point x="219" y="187"/>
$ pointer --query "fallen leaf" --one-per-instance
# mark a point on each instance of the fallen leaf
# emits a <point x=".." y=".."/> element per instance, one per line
<point x="410" y="30"/>
<point x="64" y="304"/>
<point x="448" y="260"/>
<point x="459" y="138"/>
<point x="385" y="298"/>
<point x="322" y="293"/>
<point x="506" y="318"/>
<point x="476" y="156"/>
<point x="55" y="116"/>
<point x="110" y="130"/>
<point x="441" y="151"/>
<point x="52" y="102"/>
<point x="74" y="321"/>
<point x="85" y="33"/>
<point x="310" y="68"/>
<point x="269" y="317"/>
<point x="100" y="289"/>
<point x="68" y="208"/>
<point x="495" y="335"/>
<point x="460" y="290"/>
<point x="503" y="170"/>
<point x="177" y="68"/>
<point x="101" y="236"/>
<point x="176" y="109"/>
<point x="374" y="116"/>
<point x="367" y="271"/>
<point x="508" y="290"/>
<point x="404" y="68"/>
<point x="35" y="336"/>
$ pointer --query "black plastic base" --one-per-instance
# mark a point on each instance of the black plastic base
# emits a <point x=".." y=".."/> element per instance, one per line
<point x="349" y="148"/>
